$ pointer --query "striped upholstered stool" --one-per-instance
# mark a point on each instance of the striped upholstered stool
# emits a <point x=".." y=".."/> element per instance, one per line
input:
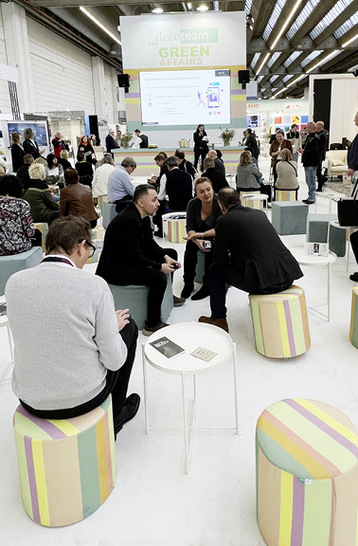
<point x="285" y="195"/>
<point x="307" y="475"/>
<point x="353" y="332"/>
<point x="254" y="200"/>
<point x="67" y="467"/>
<point x="280" y="323"/>
<point x="174" y="226"/>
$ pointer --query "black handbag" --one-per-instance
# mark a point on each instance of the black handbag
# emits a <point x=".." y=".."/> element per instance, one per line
<point x="347" y="208"/>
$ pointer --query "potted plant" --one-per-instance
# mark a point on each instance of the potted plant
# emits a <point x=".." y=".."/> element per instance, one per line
<point x="226" y="135"/>
<point x="125" y="139"/>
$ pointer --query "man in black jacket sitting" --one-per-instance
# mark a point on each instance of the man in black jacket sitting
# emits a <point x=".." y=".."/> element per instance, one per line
<point x="131" y="256"/>
<point x="248" y="254"/>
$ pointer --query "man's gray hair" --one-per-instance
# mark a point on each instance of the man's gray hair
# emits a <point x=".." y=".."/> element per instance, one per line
<point x="129" y="162"/>
<point x="171" y="161"/>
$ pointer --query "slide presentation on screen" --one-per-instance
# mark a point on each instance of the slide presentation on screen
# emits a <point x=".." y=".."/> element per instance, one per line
<point x="185" y="97"/>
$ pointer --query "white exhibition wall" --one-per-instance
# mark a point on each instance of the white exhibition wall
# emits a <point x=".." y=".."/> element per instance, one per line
<point x="344" y="104"/>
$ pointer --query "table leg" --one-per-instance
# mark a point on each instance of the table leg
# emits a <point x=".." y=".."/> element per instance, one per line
<point x="145" y="384"/>
<point x="329" y="292"/>
<point x="234" y="363"/>
<point x="185" y="421"/>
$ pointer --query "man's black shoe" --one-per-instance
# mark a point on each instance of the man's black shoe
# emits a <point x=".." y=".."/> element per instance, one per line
<point x="354" y="277"/>
<point x="201" y="294"/>
<point x="307" y="202"/>
<point x="128" y="411"/>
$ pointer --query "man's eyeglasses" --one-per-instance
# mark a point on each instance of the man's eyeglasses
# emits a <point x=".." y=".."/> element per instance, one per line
<point x="92" y="249"/>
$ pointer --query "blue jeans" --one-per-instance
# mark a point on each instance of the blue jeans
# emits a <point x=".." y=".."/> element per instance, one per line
<point x="310" y="174"/>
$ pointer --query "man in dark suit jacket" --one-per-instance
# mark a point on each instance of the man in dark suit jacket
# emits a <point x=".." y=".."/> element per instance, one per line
<point x="111" y="143"/>
<point x="131" y="256"/>
<point x="217" y="179"/>
<point x="251" y="143"/>
<point x="177" y="185"/>
<point x="248" y="254"/>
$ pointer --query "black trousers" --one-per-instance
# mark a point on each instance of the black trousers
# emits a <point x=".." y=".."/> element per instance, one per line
<point x="199" y="153"/>
<point x="116" y="383"/>
<point x="156" y="281"/>
<point x="190" y="261"/>
<point x="320" y="178"/>
<point x="354" y="244"/>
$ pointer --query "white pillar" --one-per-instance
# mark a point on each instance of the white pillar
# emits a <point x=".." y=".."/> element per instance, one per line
<point x="114" y="73"/>
<point x="99" y="86"/>
<point x="18" y="52"/>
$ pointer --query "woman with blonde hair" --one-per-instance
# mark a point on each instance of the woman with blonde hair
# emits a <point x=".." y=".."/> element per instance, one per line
<point x="286" y="172"/>
<point x="201" y="215"/>
<point x="38" y="195"/>
<point x="248" y="176"/>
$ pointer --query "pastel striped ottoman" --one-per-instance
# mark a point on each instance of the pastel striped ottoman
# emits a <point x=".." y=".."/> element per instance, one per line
<point x="307" y="475"/>
<point x="353" y="332"/>
<point x="254" y="200"/>
<point x="67" y="467"/>
<point x="280" y="323"/>
<point x="285" y="195"/>
<point x="174" y="226"/>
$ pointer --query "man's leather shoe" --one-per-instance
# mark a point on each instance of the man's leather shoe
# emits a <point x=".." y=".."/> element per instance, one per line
<point x="307" y="202"/>
<point x="187" y="290"/>
<point x="149" y="330"/>
<point x="220" y="322"/>
<point x="354" y="277"/>
<point x="129" y="410"/>
<point x="178" y="302"/>
<point x="201" y="294"/>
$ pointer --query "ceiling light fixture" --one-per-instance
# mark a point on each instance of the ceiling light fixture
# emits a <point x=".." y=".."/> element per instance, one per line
<point x="100" y="25"/>
<point x="263" y="62"/>
<point x="323" y="61"/>
<point x="350" y="41"/>
<point x="286" y="23"/>
<point x="157" y="11"/>
<point x="202" y="8"/>
<point x="189" y="6"/>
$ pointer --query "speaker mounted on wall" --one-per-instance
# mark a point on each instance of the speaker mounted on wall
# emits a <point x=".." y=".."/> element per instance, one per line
<point x="244" y="77"/>
<point x="123" y="80"/>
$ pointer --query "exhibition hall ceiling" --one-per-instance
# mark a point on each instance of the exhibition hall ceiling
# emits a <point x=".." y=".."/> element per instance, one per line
<point x="287" y="40"/>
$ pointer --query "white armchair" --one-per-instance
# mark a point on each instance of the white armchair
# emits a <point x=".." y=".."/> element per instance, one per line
<point x="336" y="163"/>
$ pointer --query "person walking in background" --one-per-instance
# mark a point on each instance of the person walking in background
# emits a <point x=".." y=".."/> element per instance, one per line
<point x="311" y="157"/>
<point x="17" y="152"/>
<point x="201" y="147"/>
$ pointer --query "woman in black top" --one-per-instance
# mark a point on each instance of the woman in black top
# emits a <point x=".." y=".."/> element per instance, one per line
<point x="201" y="147"/>
<point x="86" y="147"/>
<point x="201" y="216"/>
<point x="17" y="152"/>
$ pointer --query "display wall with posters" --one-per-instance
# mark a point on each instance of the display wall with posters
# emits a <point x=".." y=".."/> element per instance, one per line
<point x="203" y="52"/>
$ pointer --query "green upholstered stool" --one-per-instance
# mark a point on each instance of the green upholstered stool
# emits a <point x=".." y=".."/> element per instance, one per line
<point x="67" y="466"/>
<point x="43" y="228"/>
<point x="286" y="195"/>
<point x="317" y="232"/>
<point x="100" y="200"/>
<point x="307" y="475"/>
<point x="289" y="217"/>
<point x="280" y="323"/>
<point x="108" y="211"/>
<point x="135" y="297"/>
<point x="353" y="332"/>
<point x="11" y="264"/>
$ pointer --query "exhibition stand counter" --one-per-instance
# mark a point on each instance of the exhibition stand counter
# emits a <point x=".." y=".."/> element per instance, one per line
<point x="146" y="165"/>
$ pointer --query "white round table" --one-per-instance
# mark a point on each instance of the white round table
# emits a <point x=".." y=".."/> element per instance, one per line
<point x="317" y="261"/>
<point x="190" y="336"/>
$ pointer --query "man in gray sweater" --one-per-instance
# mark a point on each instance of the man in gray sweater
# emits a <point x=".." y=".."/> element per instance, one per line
<point x="69" y="355"/>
